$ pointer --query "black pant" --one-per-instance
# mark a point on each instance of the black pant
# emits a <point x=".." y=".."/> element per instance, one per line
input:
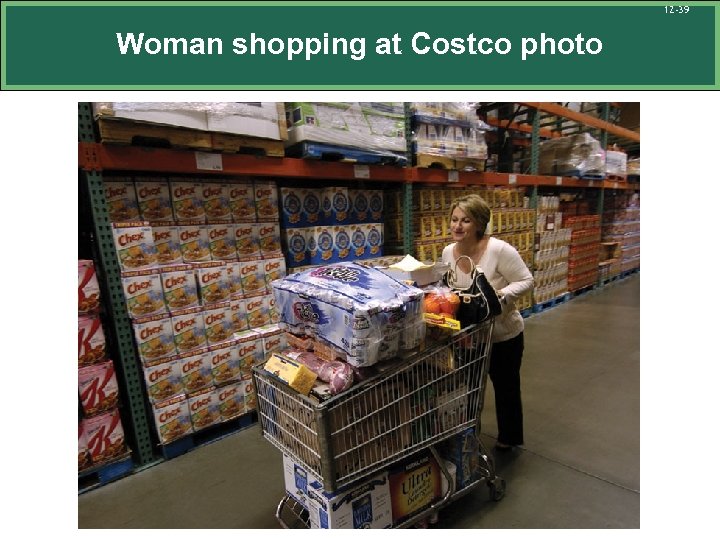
<point x="504" y="373"/>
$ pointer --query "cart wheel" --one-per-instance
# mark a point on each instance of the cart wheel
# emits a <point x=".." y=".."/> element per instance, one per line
<point x="497" y="488"/>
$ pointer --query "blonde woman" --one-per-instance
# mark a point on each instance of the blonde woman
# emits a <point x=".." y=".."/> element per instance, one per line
<point x="508" y="274"/>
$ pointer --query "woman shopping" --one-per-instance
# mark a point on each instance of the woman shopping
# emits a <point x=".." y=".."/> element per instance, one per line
<point x="508" y="274"/>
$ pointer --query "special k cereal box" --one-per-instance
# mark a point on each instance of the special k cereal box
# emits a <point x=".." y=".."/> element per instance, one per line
<point x="218" y="323"/>
<point x="135" y="246"/>
<point x="204" y="409"/>
<point x="91" y="340"/>
<point x="242" y="202"/>
<point x="188" y="327"/>
<point x="225" y="362"/>
<point x="222" y="241"/>
<point x="266" y="201"/>
<point x="84" y="460"/>
<point x="268" y="235"/>
<point x="187" y="200"/>
<point x="194" y="243"/>
<point x="250" y="349"/>
<point x="179" y="287"/>
<point x="238" y="313"/>
<point x="143" y="294"/>
<point x="167" y="244"/>
<point x="153" y="197"/>
<point x="230" y="400"/>
<point x="246" y="241"/>
<point x="252" y="277"/>
<point x="154" y="338"/>
<point x="98" y="388"/>
<point x="105" y="436"/>
<point x="172" y="419"/>
<point x="163" y="379"/>
<point x="88" y="288"/>
<point x="216" y="198"/>
<point x="195" y="370"/>
<point x="273" y="269"/>
<point x="257" y="313"/>
<point x="121" y="200"/>
<point x="214" y="283"/>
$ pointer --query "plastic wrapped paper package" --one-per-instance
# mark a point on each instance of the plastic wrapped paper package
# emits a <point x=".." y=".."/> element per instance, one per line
<point x="616" y="162"/>
<point x="359" y="310"/>
<point x="575" y="155"/>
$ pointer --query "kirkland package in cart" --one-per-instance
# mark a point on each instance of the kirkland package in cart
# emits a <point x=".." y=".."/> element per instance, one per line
<point x="359" y="310"/>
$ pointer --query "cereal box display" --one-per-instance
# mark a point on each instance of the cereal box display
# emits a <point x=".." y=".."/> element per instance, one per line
<point x="374" y="236"/>
<point x="296" y="241"/>
<point x="274" y="269"/>
<point x="143" y="294"/>
<point x="167" y="244"/>
<point x="358" y="241"/>
<point x="249" y="346"/>
<point x="238" y="311"/>
<point x="359" y="206"/>
<point x="230" y="400"/>
<point x="179" y="287"/>
<point x="311" y="207"/>
<point x="252" y="277"/>
<point x="204" y="409"/>
<point x="241" y="198"/>
<point x="153" y="197"/>
<point x="291" y="205"/>
<point x="337" y="201"/>
<point x="195" y="370"/>
<point x="188" y="327"/>
<point x="321" y="245"/>
<point x="222" y="241"/>
<point x="216" y="198"/>
<point x="214" y="283"/>
<point x="172" y="419"/>
<point x="105" y="436"/>
<point x="246" y="241"/>
<point x="257" y="312"/>
<point x="268" y="235"/>
<point x="273" y="340"/>
<point x="84" y="459"/>
<point x="154" y="337"/>
<point x="98" y="388"/>
<point x="249" y="394"/>
<point x="163" y="379"/>
<point x="376" y="203"/>
<point x="121" y="200"/>
<point x="135" y="246"/>
<point x="194" y="243"/>
<point x="91" y="340"/>
<point x="225" y="362"/>
<point x="187" y="200"/>
<point x="218" y="323"/>
<point x="233" y="276"/>
<point x="266" y="201"/>
<point x="88" y="288"/>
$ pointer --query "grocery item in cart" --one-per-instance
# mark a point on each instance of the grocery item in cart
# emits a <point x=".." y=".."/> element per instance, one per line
<point x="88" y="288"/>
<point x="91" y="340"/>
<point x="135" y="246"/>
<point x="121" y="200"/>
<point x="154" y="200"/>
<point x="172" y="419"/>
<point x="338" y="375"/>
<point x="98" y="388"/>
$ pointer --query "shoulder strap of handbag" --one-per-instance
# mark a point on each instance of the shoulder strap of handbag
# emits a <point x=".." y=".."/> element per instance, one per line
<point x="452" y="274"/>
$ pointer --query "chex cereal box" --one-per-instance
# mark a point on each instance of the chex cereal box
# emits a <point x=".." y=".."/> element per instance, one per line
<point x="84" y="460"/>
<point x="257" y="312"/>
<point x="154" y="337"/>
<point x="268" y="235"/>
<point x="216" y="198"/>
<point x="230" y="400"/>
<point x="266" y="201"/>
<point x="143" y="293"/>
<point x="98" y="388"/>
<point x="105" y="436"/>
<point x="195" y="370"/>
<point x="249" y="346"/>
<point x="187" y="200"/>
<point x="204" y="409"/>
<point x="188" y="327"/>
<point x="246" y="241"/>
<point x="241" y="198"/>
<point x="252" y="277"/>
<point x="153" y="197"/>
<point x="273" y="340"/>
<point x="238" y="314"/>
<point x="91" y="340"/>
<point x="172" y="419"/>
<point x="271" y="308"/>
<point x="88" y="288"/>
<point x="225" y="362"/>
<point x="167" y="244"/>
<point x="214" y="282"/>
<point x="194" y="243"/>
<point x="249" y="394"/>
<point x="222" y="241"/>
<point x="163" y="379"/>
<point x="179" y="287"/>
<point x="135" y="246"/>
<point x="121" y="200"/>
<point x="233" y="275"/>
<point x="218" y="324"/>
<point x="273" y="269"/>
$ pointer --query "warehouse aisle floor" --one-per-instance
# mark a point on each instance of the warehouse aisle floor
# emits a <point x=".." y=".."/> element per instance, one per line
<point x="579" y="468"/>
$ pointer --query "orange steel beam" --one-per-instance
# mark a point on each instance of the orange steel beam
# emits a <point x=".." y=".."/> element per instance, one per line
<point x="588" y="120"/>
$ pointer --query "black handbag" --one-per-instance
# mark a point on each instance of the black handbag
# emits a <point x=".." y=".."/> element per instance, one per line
<point x="478" y="301"/>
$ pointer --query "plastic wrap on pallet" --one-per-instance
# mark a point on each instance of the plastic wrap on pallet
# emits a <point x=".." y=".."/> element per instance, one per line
<point x="575" y="155"/>
<point x="360" y="310"/>
<point x="449" y="129"/>
<point x="362" y="125"/>
<point x="616" y="162"/>
<point x="633" y="166"/>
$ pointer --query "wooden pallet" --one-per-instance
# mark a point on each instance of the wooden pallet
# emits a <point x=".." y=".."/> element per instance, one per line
<point x="616" y="177"/>
<point x="470" y="164"/>
<point x="241" y="144"/>
<point x="428" y="161"/>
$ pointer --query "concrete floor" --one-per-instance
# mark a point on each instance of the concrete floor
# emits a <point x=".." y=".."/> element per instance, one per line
<point x="580" y="467"/>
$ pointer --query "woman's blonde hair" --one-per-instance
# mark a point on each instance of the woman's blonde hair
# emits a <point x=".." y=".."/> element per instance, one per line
<point x="474" y="207"/>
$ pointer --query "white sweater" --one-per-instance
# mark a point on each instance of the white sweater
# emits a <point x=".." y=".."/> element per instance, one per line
<point x="507" y="273"/>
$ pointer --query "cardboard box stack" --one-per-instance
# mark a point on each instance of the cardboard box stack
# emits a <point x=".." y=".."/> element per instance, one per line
<point x="584" y="252"/>
<point x="553" y="249"/>
<point x="578" y="155"/>
<point x="621" y="224"/>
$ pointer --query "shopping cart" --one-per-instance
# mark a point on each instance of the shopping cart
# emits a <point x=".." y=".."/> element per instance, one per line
<point x="412" y="404"/>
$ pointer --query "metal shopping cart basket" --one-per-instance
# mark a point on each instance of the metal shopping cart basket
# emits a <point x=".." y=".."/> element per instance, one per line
<point x="414" y="403"/>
